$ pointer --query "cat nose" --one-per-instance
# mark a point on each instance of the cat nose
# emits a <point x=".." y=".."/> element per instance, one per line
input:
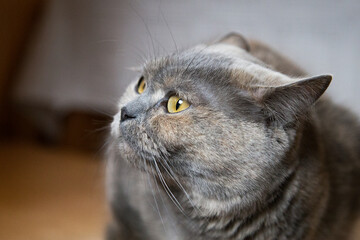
<point x="125" y="115"/>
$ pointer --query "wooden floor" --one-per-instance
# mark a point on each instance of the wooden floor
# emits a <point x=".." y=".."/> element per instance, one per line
<point x="53" y="194"/>
<point x="50" y="194"/>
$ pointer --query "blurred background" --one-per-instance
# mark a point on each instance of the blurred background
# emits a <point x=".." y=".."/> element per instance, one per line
<point x="64" y="64"/>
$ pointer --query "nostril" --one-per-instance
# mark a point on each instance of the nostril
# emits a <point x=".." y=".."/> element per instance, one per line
<point x="125" y="114"/>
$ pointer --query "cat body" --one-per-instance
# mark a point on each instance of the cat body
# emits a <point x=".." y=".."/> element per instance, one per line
<point x="254" y="154"/>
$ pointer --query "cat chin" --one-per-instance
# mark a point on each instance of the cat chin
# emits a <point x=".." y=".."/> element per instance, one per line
<point x="132" y="157"/>
<point x="128" y="153"/>
<point x="124" y="148"/>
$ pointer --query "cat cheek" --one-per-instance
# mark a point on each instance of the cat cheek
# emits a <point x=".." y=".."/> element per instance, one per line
<point x="171" y="129"/>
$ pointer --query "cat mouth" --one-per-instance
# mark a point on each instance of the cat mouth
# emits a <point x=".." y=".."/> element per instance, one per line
<point x="128" y="146"/>
<point x="142" y="160"/>
<point x="137" y="140"/>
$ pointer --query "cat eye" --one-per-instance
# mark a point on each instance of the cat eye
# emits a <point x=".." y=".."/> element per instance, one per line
<point x="141" y="85"/>
<point x="176" y="104"/>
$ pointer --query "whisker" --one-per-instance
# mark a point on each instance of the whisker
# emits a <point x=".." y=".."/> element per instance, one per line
<point x="167" y="189"/>
<point x="142" y="57"/>
<point x="168" y="169"/>
<point x="160" y="194"/>
<point x="146" y="27"/>
<point x="192" y="60"/>
<point x="173" y="176"/>
<point x="153" y="194"/>
<point x="168" y="27"/>
<point x="108" y="113"/>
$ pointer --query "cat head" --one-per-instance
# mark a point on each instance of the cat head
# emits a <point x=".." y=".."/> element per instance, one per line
<point x="215" y="117"/>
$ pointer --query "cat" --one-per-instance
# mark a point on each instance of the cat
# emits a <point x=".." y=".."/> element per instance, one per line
<point x="231" y="140"/>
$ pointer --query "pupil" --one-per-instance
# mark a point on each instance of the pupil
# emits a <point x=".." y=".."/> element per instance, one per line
<point x="178" y="104"/>
<point x="140" y="81"/>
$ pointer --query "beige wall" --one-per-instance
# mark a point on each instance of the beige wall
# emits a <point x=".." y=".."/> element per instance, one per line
<point x="85" y="47"/>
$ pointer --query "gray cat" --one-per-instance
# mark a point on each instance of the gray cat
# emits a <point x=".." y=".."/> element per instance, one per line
<point x="231" y="141"/>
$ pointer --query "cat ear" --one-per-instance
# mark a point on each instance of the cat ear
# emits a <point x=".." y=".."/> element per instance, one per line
<point x="287" y="103"/>
<point x="236" y="40"/>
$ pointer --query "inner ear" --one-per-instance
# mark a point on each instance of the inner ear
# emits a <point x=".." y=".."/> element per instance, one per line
<point x="235" y="39"/>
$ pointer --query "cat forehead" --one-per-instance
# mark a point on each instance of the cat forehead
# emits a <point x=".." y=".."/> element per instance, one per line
<point x="233" y="52"/>
<point x="201" y="56"/>
<point x="213" y="62"/>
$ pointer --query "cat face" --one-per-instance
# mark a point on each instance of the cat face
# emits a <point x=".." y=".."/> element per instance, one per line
<point x="214" y="117"/>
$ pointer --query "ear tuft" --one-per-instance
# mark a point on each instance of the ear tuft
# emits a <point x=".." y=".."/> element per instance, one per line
<point x="235" y="39"/>
<point x="289" y="102"/>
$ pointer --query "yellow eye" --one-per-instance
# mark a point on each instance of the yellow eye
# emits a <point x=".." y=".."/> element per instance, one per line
<point x="141" y="85"/>
<point x="176" y="104"/>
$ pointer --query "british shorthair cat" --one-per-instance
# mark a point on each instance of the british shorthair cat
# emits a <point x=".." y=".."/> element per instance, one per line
<point x="231" y="140"/>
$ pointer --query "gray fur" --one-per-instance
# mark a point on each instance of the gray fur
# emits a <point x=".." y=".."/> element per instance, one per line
<point x="255" y="156"/>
